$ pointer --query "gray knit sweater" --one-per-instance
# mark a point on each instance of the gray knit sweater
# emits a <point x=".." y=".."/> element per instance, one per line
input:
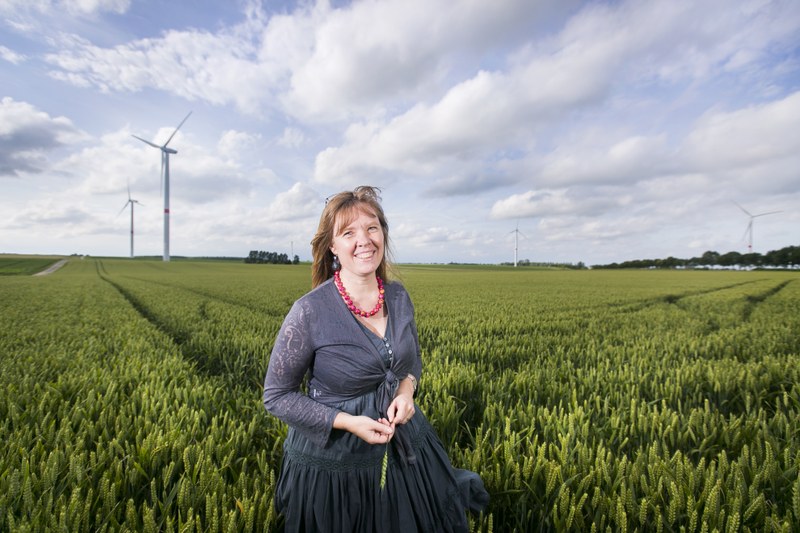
<point x="322" y="339"/>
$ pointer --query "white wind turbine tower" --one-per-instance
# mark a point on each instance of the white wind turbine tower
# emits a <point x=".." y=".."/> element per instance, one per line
<point x="130" y="202"/>
<point x="516" y="233"/>
<point x="749" y="230"/>
<point x="165" y="180"/>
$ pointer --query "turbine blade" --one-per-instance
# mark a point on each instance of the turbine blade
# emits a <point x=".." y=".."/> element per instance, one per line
<point x="765" y="214"/>
<point x="176" y="131"/>
<point x="746" y="212"/>
<point x="123" y="208"/>
<point x="147" y="142"/>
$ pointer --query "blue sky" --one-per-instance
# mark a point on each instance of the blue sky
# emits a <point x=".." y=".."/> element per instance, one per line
<point x="604" y="131"/>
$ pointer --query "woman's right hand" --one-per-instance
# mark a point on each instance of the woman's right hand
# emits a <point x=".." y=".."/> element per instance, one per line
<point x="372" y="431"/>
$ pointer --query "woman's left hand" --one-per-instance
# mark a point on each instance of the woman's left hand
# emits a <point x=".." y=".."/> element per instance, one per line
<point x="401" y="409"/>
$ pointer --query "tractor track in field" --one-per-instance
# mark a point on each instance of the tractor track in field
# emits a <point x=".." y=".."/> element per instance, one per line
<point x="217" y="298"/>
<point x="751" y="301"/>
<point x="180" y="339"/>
<point x="754" y="300"/>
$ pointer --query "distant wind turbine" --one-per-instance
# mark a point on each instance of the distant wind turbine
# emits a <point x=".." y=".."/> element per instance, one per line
<point x="130" y="202"/>
<point x="516" y="233"/>
<point x="749" y="230"/>
<point x="165" y="180"/>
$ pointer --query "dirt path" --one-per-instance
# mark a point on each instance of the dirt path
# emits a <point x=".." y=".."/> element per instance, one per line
<point x="52" y="268"/>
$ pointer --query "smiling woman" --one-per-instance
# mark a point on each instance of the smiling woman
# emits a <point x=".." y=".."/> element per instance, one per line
<point x="359" y="455"/>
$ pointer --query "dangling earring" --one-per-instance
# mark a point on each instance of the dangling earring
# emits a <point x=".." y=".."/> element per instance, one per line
<point x="335" y="265"/>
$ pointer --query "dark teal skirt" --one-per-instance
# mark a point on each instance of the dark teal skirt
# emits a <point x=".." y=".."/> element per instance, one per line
<point x="338" y="488"/>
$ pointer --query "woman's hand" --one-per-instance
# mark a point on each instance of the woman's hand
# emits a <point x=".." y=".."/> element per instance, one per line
<point x="402" y="407"/>
<point x="372" y="431"/>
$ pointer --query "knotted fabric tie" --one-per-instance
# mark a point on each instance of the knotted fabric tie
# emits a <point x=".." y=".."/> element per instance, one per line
<point x="402" y="436"/>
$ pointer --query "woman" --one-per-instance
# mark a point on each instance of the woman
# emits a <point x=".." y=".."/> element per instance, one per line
<point x="359" y="456"/>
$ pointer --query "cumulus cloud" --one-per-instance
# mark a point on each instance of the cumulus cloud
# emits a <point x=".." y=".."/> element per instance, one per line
<point x="481" y="114"/>
<point x="418" y="236"/>
<point x="28" y="135"/>
<point x="300" y="201"/>
<point x="748" y="136"/>
<point x="544" y="203"/>
<point x="320" y="62"/>
<point x="621" y="161"/>
<point x="600" y="120"/>
<point x="604" y="50"/>
<point x="370" y="52"/>
<point x="61" y="217"/>
<point x="232" y="143"/>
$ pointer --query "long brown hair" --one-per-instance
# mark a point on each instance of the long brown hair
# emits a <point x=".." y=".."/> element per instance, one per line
<point x="345" y="206"/>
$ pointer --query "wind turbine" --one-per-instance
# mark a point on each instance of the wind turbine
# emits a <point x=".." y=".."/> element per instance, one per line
<point x="165" y="180"/>
<point x="130" y="201"/>
<point x="749" y="230"/>
<point x="516" y="233"/>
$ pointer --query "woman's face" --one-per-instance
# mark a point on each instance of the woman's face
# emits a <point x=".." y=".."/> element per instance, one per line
<point x="359" y="242"/>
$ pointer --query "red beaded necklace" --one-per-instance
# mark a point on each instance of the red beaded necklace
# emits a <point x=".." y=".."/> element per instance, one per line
<point x="349" y="301"/>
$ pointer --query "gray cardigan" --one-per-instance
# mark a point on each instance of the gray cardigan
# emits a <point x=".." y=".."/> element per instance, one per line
<point x="320" y="337"/>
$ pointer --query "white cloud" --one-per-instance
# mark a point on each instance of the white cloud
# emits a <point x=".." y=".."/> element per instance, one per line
<point x="422" y="236"/>
<point x="91" y="6"/>
<point x="232" y="143"/>
<point x="11" y="56"/>
<point x="59" y="6"/>
<point x="630" y="123"/>
<point x="291" y="138"/>
<point x="747" y="137"/>
<point x="623" y="161"/>
<point x="194" y="64"/>
<point x="546" y="202"/>
<point x="602" y="48"/>
<point x="28" y="135"/>
<point x="300" y="201"/>
<point x="374" y="54"/>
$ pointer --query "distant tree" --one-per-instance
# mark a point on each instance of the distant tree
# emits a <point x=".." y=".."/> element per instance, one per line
<point x="709" y="258"/>
<point x="273" y="258"/>
<point x="673" y="262"/>
<point x="787" y="257"/>
<point x="784" y="257"/>
<point x="730" y="259"/>
<point x="752" y="259"/>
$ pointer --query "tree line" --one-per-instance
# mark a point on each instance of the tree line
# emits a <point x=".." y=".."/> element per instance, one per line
<point x="784" y="258"/>
<point x="272" y="258"/>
